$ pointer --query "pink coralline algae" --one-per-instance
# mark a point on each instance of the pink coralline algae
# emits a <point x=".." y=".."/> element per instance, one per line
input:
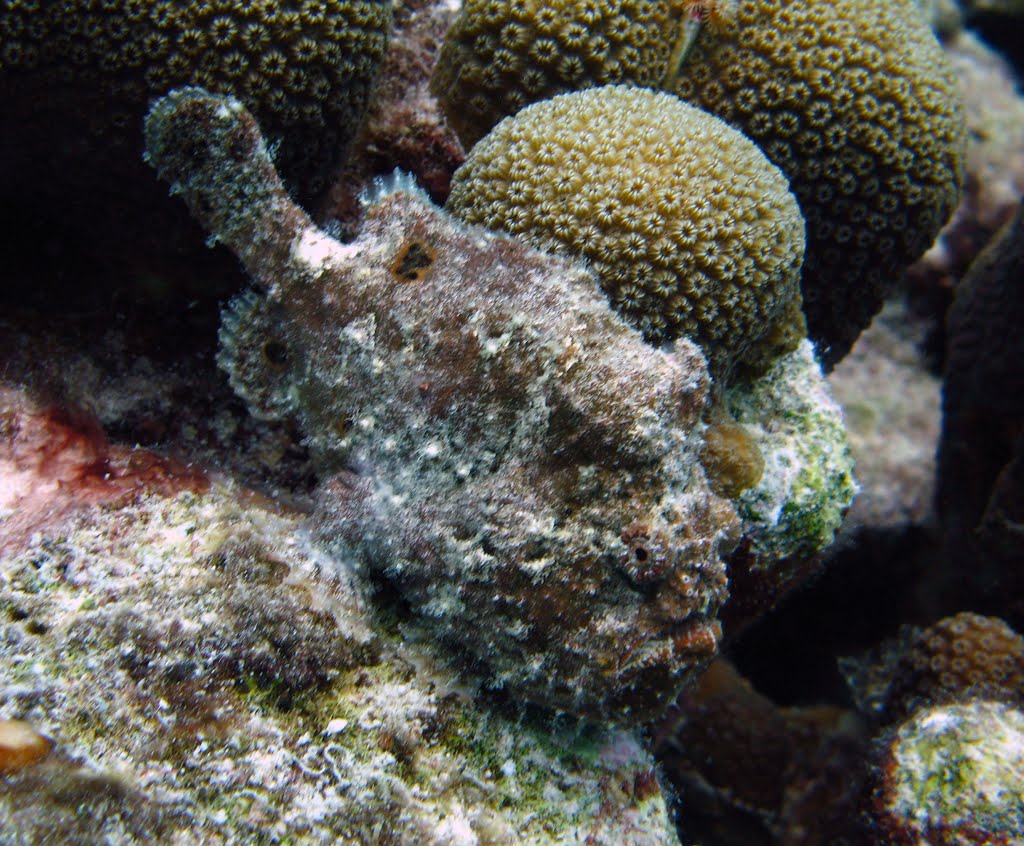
<point x="498" y="445"/>
<point x="55" y="463"/>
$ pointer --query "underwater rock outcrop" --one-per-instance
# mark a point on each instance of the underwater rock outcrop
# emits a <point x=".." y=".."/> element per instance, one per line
<point x="184" y="666"/>
<point x="944" y="702"/>
<point x="498" y="444"/>
<point x="951" y="774"/>
<point x="744" y="766"/>
<point x="981" y="454"/>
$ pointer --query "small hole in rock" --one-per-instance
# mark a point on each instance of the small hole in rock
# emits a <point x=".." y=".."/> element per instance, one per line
<point x="275" y="353"/>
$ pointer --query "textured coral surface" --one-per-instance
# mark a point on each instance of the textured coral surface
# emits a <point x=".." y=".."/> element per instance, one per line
<point x="689" y="228"/>
<point x="75" y="81"/>
<point x="304" y="67"/>
<point x="952" y="774"/>
<point x="205" y="676"/>
<point x="856" y="104"/>
<point x="501" y="55"/>
<point x="966" y="655"/>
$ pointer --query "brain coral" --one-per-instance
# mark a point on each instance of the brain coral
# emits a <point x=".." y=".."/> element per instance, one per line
<point x="304" y="67"/>
<point x="856" y="104"/>
<point x="689" y="228"/>
<point x="501" y="55"/>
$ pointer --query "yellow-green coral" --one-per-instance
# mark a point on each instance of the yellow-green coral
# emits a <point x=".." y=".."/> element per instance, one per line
<point x="852" y="99"/>
<point x="952" y="774"/>
<point x="501" y="55"/>
<point x="305" y="67"/>
<point x="689" y="228"/>
<point x="856" y="104"/>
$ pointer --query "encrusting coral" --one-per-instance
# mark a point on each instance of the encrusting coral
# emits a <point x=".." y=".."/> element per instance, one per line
<point x="501" y="55"/>
<point x="731" y="459"/>
<point x="952" y="774"/>
<point x="689" y="228"/>
<point x="856" y="104"/>
<point x="501" y="439"/>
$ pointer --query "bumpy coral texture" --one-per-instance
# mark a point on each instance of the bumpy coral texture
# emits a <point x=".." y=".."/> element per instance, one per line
<point x="967" y="655"/>
<point x="501" y="55"/>
<point x="304" y="67"/>
<point x="689" y="228"/>
<point x="855" y="102"/>
<point x="508" y="453"/>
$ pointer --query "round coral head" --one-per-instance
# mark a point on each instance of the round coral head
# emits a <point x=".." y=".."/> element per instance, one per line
<point x="689" y="228"/>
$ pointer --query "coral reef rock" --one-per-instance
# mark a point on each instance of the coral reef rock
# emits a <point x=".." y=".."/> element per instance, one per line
<point x="891" y="403"/>
<point x="806" y="485"/>
<point x="981" y="455"/>
<point x="994" y="177"/>
<point x="952" y="774"/>
<point x="198" y="672"/>
<point x="751" y="772"/>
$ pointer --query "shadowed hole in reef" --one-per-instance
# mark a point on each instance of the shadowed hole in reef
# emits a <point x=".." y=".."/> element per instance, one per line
<point x="1004" y="33"/>
<point x="866" y="592"/>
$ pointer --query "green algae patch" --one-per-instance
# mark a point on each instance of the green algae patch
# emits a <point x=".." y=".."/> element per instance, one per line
<point x="957" y="769"/>
<point x="807" y="483"/>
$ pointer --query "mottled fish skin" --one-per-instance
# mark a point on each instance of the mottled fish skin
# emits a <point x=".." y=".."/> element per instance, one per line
<point x="495" y="441"/>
